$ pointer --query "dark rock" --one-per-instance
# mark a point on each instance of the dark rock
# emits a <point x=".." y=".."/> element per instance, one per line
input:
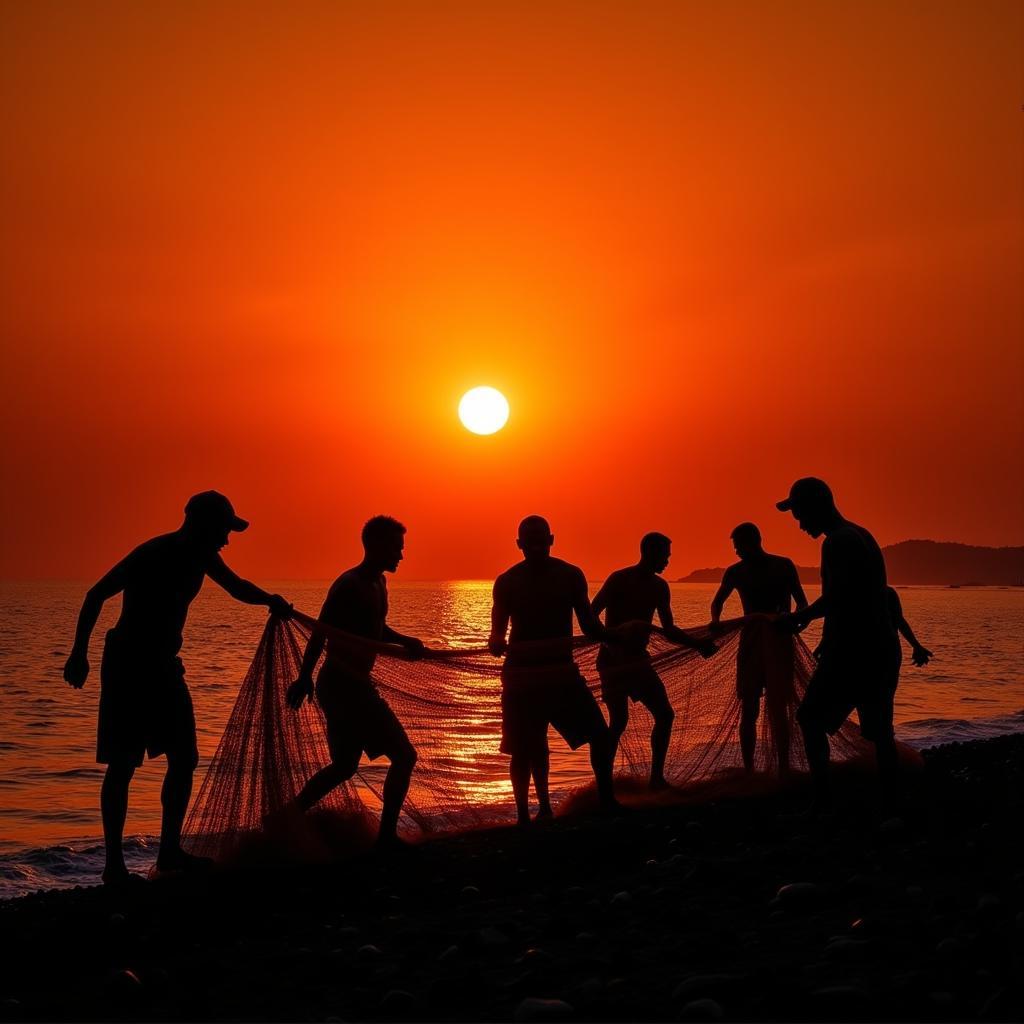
<point x="842" y="948"/>
<point x="491" y="936"/>
<point x="369" y="952"/>
<point x="535" y="957"/>
<point x="989" y="905"/>
<point x="799" y="894"/>
<point x="532" y="1009"/>
<point x="702" y="1009"/>
<point x="122" y="985"/>
<point x="841" y="1002"/>
<point x="397" y="1002"/>
<point x="621" y="900"/>
<point x="701" y="985"/>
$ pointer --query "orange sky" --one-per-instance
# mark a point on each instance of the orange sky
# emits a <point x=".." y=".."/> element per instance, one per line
<point x="702" y="247"/>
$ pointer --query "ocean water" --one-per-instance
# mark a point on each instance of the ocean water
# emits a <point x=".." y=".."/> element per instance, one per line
<point x="49" y="781"/>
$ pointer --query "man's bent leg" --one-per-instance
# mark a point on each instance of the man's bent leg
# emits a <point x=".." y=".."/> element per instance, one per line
<point x="174" y="797"/>
<point x="751" y="707"/>
<point x="778" y="722"/>
<point x="661" y="734"/>
<point x="817" y="748"/>
<point x="519" y="773"/>
<point x="396" y="786"/>
<point x="114" y="811"/>
<point x="320" y="784"/>
<point x="618" y="719"/>
<point x="601" y="753"/>
<point x="540" y="768"/>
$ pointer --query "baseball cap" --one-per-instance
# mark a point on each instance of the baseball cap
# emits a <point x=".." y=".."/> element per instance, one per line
<point x="213" y="507"/>
<point x="806" y="490"/>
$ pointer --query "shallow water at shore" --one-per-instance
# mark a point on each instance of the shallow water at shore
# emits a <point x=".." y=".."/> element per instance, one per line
<point x="49" y="780"/>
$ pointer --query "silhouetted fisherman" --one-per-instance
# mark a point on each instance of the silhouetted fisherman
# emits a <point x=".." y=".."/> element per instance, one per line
<point x="634" y="594"/>
<point x="358" y="718"/>
<point x="541" y="684"/>
<point x="859" y="655"/>
<point x="765" y="659"/>
<point x="145" y="705"/>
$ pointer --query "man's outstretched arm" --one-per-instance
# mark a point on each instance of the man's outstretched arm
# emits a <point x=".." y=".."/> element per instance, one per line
<point x="600" y="602"/>
<point x="243" y="590"/>
<point x="797" y="591"/>
<point x="76" y="669"/>
<point x="721" y="596"/>
<point x="413" y="644"/>
<point x="677" y="635"/>
<point x="303" y="686"/>
<point x="499" y="621"/>
<point x="590" y="624"/>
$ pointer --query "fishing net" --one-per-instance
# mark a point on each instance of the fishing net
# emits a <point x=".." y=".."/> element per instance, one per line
<point x="449" y="704"/>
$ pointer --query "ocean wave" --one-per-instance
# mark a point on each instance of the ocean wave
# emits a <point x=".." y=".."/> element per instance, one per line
<point x="64" y="867"/>
<point x="933" y="732"/>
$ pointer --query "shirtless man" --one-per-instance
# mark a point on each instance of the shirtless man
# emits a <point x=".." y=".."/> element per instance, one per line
<point x="859" y="661"/>
<point x="764" y="663"/>
<point x="357" y="716"/>
<point x="629" y="595"/>
<point x="145" y="705"/>
<point x="540" y="683"/>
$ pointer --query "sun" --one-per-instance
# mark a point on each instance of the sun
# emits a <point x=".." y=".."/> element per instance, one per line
<point x="483" y="410"/>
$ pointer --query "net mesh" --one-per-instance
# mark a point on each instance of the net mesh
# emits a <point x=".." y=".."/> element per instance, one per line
<point x="449" y="704"/>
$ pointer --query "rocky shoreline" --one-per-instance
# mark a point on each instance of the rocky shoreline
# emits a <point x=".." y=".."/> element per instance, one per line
<point x="721" y="906"/>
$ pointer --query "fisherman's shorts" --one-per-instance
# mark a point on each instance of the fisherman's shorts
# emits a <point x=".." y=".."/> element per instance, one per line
<point x="532" y="698"/>
<point x="358" y="718"/>
<point x="841" y="684"/>
<point x="145" y="707"/>
<point x="631" y="677"/>
<point x="765" y="662"/>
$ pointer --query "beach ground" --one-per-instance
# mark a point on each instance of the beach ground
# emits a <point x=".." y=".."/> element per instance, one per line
<point x="725" y="907"/>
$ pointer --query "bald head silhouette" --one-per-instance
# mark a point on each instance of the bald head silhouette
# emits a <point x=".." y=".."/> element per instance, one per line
<point x="535" y="538"/>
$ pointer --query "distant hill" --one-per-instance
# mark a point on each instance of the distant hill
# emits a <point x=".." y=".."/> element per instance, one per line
<point x="927" y="563"/>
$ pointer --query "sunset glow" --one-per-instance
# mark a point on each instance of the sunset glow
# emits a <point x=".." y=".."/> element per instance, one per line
<point x="705" y="248"/>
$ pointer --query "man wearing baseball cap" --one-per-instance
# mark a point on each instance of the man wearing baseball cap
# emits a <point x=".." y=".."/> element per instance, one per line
<point x="145" y="705"/>
<point x="858" y="662"/>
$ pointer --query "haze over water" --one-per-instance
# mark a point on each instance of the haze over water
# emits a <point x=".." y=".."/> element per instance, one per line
<point x="50" y="782"/>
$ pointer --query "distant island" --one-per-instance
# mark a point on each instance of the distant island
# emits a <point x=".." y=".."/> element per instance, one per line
<point x="926" y="563"/>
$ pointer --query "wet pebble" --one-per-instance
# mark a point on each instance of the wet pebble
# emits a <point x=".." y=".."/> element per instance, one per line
<point x="989" y="905"/>
<point x="491" y="936"/>
<point x="622" y="899"/>
<point x="470" y="892"/>
<point x="703" y="985"/>
<point x="845" y="1002"/>
<point x="702" y="1009"/>
<point x="369" y="952"/>
<point x="448" y="954"/>
<point x="799" y="894"/>
<point x="122" y="984"/>
<point x="397" y="1002"/>
<point x="535" y="957"/>
<point x="842" y="948"/>
<point x="532" y="1009"/>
